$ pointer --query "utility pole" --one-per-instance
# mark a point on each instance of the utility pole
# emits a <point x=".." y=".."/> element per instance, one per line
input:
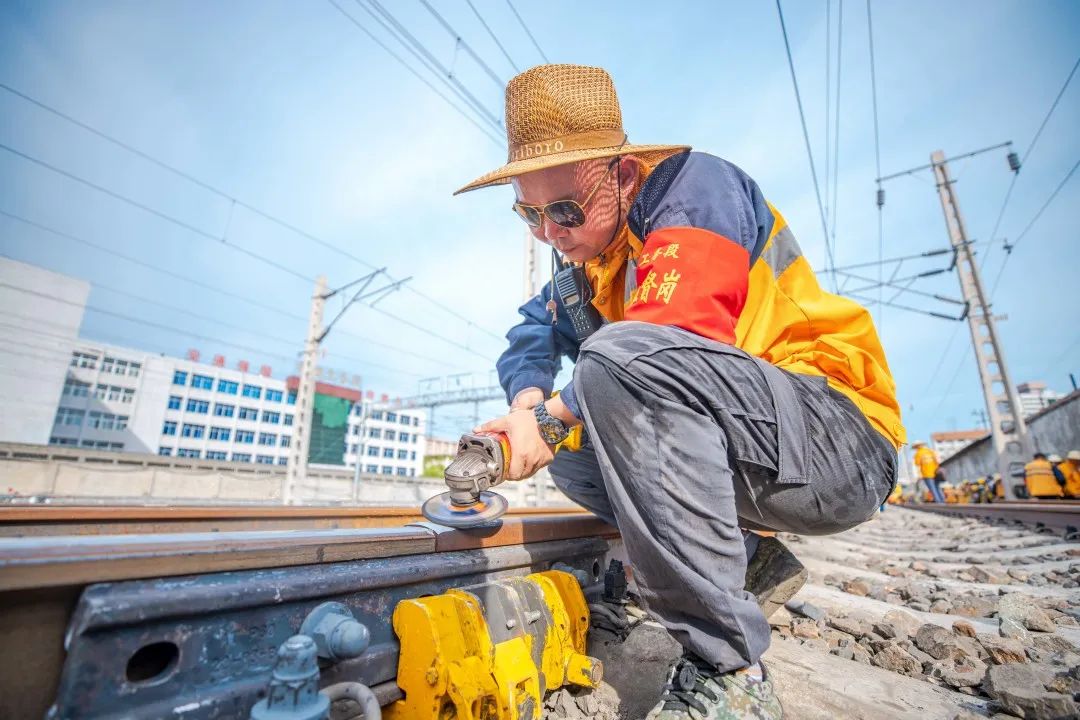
<point x="1007" y="427"/>
<point x="299" y="451"/>
<point x="296" y="470"/>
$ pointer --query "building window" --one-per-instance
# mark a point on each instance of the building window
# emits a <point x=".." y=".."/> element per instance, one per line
<point x="387" y="470"/>
<point x="193" y="431"/>
<point x="291" y="397"/>
<point x="416" y="422"/>
<point x="165" y="452"/>
<point x="100" y="391"/>
<point x="402" y="471"/>
<point x="134" y="369"/>
<point x="114" y="392"/>
<point x="174" y="402"/>
<point x="374" y="433"/>
<point x="371" y="468"/>
<point x="273" y="395"/>
<point x="107" y="364"/>
<point x="67" y="416"/>
<point x="202" y="382"/>
<point x="188" y="453"/>
<point x="241" y="457"/>
<point x="198" y="406"/>
<point x="264" y="459"/>
<point x="222" y="410"/>
<point x="84" y="360"/>
<point x="247" y="413"/>
<point x="391" y="435"/>
<point x="412" y="455"/>
<point x="127" y="396"/>
<point x="93" y="419"/>
<point x="179" y="377"/>
<point x="271" y="417"/>
<point x="402" y="454"/>
<point x="350" y="449"/>
<point x="169" y="428"/>
<point x="215" y="455"/>
<point x="121" y="422"/>
<point x="285" y="440"/>
<point x="121" y="367"/>
<point x="245" y="436"/>
<point x="377" y="415"/>
<point x="269" y="439"/>
<point x="412" y="472"/>
<point x="228" y="387"/>
<point x="406" y="419"/>
<point x="220" y="433"/>
<point x="372" y="451"/>
<point x="391" y="417"/>
<point x="252" y="391"/>
<point x="283" y="461"/>
<point x="288" y="420"/>
<point x="388" y="452"/>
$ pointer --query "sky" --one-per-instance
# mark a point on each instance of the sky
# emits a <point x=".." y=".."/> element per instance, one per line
<point x="291" y="111"/>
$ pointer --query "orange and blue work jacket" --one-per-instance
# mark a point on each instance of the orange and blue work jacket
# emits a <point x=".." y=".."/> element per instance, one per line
<point x="702" y="250"/>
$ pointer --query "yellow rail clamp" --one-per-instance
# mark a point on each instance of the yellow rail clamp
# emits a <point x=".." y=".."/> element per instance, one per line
<point x="491" y="651"/>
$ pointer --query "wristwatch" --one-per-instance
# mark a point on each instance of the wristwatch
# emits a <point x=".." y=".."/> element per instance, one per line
<point x="552" y="429"/>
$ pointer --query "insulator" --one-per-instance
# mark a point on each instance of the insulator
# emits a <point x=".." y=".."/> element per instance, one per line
<point x="1014" y="162"/>
<point x="880" y="197"/>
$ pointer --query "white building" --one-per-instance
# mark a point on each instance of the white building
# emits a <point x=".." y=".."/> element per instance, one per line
<point x="40" y="315"/>
<point x="128" y="400"/>
<point x="1034" y="396"/>
<point x="948" y="443"/>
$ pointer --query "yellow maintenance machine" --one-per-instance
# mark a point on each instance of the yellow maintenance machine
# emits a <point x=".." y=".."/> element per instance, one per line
<point x="491" y="651"/>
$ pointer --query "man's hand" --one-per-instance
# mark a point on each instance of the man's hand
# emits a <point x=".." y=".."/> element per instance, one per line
<point x="527" y="399"/>
<point x="528" y="451"/>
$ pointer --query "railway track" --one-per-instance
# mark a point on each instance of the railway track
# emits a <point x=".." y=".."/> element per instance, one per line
<point x="178" y="612"/>
<point x="1061" y="515"/>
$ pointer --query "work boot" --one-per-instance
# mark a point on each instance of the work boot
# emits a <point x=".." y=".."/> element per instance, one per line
<point x="773" y="575"/>
<point x="696" y="691"/>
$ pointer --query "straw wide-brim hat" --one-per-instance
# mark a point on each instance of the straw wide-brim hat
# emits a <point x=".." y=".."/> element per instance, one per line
<point x="561" y="114"/>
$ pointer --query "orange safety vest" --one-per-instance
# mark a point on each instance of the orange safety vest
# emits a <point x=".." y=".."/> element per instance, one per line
<point x="926" y="461"/>
<point x="1071" y="472"/>
<point x="1040" y="480"/>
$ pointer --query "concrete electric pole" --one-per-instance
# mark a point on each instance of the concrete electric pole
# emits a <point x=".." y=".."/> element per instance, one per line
<point x="1007" y="427"/>
<point x="296" y="470"/>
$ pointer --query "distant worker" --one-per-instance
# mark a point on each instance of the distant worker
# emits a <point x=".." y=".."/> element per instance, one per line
<point x="1054" y="461"/>
<point x="997" y="486"/>
<point x="1070" y="468"/>
<point x="929" y="470"/>
<point x="1040" y="480"/>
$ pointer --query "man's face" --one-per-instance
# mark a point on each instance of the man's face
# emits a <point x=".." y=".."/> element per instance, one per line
<point x="574" y="182"/>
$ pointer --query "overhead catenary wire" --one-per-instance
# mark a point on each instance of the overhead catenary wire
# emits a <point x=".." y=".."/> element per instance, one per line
<point x="461" y="42"/>
<point x="236" y="201"/>
<point x="401" y="61"/>
<point x="528" y="32"/>
<point x="809" y="151"/>
<point x="1027" y="153"/>
<point x="493" y="35"/>
<point x="402" y="34"/>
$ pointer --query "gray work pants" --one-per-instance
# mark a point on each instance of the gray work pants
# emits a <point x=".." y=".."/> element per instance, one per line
<point x="691" y="439"/>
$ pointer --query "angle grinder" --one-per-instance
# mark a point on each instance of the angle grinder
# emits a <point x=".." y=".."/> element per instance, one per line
<point x="481" y="463"/>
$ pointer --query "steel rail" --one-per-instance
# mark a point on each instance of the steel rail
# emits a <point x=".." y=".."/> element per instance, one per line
<point x="1055" y="514"/>
<point x="38" y="520"/>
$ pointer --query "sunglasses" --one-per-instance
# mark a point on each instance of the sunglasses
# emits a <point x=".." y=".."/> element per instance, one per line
<point x="564" y="213"/>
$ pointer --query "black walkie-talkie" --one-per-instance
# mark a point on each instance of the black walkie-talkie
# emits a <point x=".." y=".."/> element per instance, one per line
<point x="575" y="293"/>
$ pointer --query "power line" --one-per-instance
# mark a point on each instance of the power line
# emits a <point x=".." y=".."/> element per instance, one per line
<point x="1027" y="153"/>
<point x="494" y="138"/>
<point x="231" y="198"/>
<point x="157" y="213"/>
<point x="806" y="138"/>
<point x="204" y="234"/>
<point x="1030" y="224"/>
<point x="407" y="39"/>
<point x="833" y="207"/>
<point x="461" y="42"/>
<point x="492" y="34"/>
<point x="877" y="148"/>
<point x="527" y="31"/>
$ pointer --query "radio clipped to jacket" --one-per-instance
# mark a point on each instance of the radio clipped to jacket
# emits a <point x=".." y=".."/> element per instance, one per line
<point x="572" y="286"/>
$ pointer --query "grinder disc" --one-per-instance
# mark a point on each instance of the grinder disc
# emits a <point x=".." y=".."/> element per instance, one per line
<point x="488" y="508"/>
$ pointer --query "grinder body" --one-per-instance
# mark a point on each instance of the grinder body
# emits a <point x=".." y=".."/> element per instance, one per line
<point x="481" y="463"/>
